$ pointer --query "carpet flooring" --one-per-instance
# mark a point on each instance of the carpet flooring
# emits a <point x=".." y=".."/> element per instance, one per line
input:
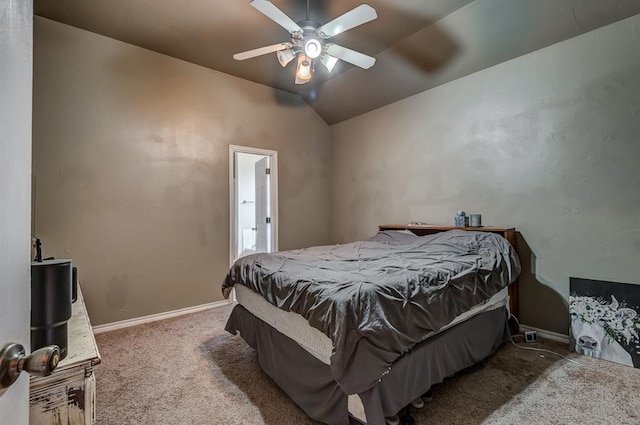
<point x="188" y="370"/>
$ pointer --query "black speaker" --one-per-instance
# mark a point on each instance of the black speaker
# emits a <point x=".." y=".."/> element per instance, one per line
<point x="51" y="287"/>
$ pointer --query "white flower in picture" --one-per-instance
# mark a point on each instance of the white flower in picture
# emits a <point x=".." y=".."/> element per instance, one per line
<point x="600" y="327"/>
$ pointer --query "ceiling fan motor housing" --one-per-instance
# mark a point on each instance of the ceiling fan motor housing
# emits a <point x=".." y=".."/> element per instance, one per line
<point x="309" y="26"/>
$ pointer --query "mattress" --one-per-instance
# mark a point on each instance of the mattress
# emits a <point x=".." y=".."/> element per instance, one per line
<point x="296" y="327"/>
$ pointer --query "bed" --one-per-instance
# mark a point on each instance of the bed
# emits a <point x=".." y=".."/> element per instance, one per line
<point x="363" y="329"/>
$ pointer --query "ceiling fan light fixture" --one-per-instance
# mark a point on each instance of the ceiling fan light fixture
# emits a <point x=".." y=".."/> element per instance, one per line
<point x="328" y="61"/>
<point x="303" y="72"/>
<point x="285" y="56"/>
<point x="299" y="81"/>
<point x="312" y="48"/>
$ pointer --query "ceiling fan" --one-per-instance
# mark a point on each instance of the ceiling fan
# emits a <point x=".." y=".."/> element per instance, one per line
<point x="309" y="40"/>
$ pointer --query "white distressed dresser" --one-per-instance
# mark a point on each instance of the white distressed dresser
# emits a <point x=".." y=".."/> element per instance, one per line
<point x="68" y="395"/>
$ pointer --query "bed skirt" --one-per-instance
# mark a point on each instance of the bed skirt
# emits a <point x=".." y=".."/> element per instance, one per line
<point x="310" y="384"/>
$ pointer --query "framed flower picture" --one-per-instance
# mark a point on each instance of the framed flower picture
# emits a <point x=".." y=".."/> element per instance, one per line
<point x="605" y="320"/>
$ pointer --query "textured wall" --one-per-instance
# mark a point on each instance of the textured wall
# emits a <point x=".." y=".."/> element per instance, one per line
<point x="547" y="143"/>
<point x="131" y="164"/>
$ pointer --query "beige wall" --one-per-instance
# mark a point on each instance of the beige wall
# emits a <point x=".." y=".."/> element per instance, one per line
<point x="130" y="154"/>
<point x="548" y="143"/>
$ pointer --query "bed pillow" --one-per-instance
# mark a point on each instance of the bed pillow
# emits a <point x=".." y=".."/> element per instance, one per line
<point x="393" y="236"/>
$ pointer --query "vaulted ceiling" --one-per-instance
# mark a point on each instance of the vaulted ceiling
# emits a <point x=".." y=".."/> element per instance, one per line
<point x="418" y="44"/>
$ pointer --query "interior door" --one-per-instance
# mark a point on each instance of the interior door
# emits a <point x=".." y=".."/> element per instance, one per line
<point x="16" y="47"/>
<point x="253" y="199"/>
<point x="263" y="216"/>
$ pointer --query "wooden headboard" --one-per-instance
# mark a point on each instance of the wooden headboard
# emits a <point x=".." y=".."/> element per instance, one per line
<point x="509" y="233"/>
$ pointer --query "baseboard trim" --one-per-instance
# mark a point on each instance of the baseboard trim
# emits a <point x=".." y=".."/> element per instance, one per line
<point x="108" y="327"/>
<point x="554" y="336"/>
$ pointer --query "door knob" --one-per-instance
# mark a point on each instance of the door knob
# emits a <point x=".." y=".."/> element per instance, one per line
<point x="13" y="361"/>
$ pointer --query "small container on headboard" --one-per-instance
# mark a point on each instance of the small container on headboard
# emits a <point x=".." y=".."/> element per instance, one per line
<point x="461" y="219"/>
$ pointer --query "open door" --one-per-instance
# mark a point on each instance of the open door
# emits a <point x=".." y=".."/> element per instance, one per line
<point x="253" y="200"/>
<point x="263" y="219"/>
<point x="16" y="46"/>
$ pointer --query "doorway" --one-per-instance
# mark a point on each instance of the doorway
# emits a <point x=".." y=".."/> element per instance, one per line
<point x="253" y="189"/>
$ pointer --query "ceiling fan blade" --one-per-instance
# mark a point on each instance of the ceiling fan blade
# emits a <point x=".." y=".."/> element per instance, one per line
<point x="351" y="56"/>
<point x="358" y="16"/>
<point x="261" y="51"/>
<point x="276" y="15"/>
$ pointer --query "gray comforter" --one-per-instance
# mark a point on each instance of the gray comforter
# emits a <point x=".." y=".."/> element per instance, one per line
<point x="376" y="299"/>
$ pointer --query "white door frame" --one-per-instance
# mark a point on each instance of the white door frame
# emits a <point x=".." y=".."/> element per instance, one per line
<point x="232" y="192"/>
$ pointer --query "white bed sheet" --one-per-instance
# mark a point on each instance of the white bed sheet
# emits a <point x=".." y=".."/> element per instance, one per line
<point x="315" y="342"/>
